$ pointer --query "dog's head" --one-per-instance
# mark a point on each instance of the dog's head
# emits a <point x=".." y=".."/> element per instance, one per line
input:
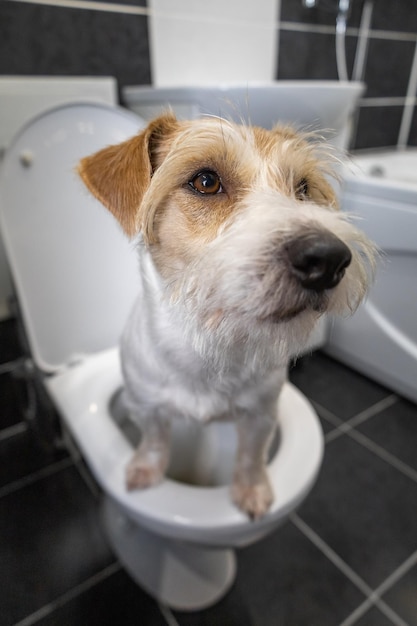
<point x="202" y="170"/>
<point x="241" y="222"/>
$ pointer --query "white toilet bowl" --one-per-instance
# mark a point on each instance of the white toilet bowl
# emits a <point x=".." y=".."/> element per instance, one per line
<point x="75" y="277"/>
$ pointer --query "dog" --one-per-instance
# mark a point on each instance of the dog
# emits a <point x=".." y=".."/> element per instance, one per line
<point x="241" y="251"/>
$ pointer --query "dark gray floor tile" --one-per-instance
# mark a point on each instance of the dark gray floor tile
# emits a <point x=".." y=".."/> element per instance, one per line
<point x="51" y="541"/>
<point x="336" y="387"/>
<point x="115" y="600"/>
<point x="10" y="351"/>
<point x="10" y="411"/>
<point x="374" y="617"/>
<point x="283" y="580"/>
<point x="402" y="597"/>
<point x="24" y="454"/>
<point x="9" y="344"/>
<point x="395" y="429"/>
<point x="364" y="509"/>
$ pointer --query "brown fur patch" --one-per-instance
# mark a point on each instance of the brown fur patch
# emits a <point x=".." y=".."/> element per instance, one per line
<point x="120" y="175"/>
<point x="144" y="181"/>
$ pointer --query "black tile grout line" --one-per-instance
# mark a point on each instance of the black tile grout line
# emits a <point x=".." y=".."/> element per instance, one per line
<point x="372" y="596"/>
<point x="75" y="592"/>
<point x="30" y="479"/>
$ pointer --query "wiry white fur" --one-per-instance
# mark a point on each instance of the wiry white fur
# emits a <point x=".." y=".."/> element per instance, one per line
<point x="242" y="277"/>
<point x="213" y="338"/>
<point x="203" y="347"/>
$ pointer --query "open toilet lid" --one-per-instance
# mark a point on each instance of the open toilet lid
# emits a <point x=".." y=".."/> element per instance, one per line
<point x="75" y="272"/>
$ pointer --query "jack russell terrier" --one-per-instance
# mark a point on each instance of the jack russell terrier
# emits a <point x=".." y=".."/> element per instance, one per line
<point x="241" y="251"/>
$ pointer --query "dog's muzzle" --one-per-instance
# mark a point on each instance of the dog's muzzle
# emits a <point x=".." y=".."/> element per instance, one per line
<point x="318" y="260"/>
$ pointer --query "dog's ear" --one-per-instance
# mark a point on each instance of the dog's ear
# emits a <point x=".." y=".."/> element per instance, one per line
<point x="120" y="175"/>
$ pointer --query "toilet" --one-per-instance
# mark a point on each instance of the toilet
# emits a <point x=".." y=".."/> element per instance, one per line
<point x="75" y="276"/>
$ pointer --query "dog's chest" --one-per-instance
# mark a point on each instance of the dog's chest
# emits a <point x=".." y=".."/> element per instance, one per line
<point x="162" y="368"/>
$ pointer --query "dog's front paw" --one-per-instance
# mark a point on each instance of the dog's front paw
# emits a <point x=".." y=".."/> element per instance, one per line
<point x="142" y="472"/>
<point x="253" y="499"/>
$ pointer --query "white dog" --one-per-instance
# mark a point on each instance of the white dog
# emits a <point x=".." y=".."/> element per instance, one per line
<point x="241" y="249"/>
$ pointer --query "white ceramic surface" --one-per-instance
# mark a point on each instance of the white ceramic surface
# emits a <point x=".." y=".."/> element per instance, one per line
<point x="381" y="338"/>
<point x="75" y="271"/>
<point x="24" y="97"/>
<point x="175" y="510"/>
<point x="325" y="106"/>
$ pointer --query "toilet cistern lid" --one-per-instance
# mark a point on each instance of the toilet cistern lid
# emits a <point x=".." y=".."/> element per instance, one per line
<point x="74" y="270"/>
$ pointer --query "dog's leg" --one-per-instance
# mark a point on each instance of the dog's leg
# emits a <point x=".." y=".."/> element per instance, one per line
<point x="251" y="489"/>
<point x="150" y="461"/>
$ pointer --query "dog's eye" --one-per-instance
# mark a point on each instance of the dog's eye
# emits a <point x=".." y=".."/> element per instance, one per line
<point x="206" y="182"/>
<point x="302" y="190"/>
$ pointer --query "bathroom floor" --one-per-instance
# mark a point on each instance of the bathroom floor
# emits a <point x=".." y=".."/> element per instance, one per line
<point x="348" y="556"/>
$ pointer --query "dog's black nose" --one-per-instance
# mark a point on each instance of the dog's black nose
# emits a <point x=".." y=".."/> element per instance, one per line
<point x="318" y="260"/>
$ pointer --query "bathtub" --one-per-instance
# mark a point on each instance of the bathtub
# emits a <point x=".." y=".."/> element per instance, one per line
<point x="380" y="340"/>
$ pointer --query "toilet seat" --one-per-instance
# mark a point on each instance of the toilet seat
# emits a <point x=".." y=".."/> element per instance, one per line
<point x="172" y="509"/>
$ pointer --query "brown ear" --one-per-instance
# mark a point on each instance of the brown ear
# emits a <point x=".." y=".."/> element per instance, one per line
<point x="120" y="175"/>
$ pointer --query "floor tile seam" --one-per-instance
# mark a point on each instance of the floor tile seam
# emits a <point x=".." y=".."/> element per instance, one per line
<point x="344" y="426"/>
<point x="337" y="432"/>
<point x="395" y="576"/>
<point x="368" y="604"/>
<point x="390" y="613"/>
<point x="332" y="419"/>
<point x="383" y="454"/>
<point x="30" y="479"/>
<point x="372" y="410"/>
<point x="328" y="415"/>
<point x="358" y="613"/>
<point x="12" y="431"/>
<point x="70" y="595"/>
<point x="331" y="555"/>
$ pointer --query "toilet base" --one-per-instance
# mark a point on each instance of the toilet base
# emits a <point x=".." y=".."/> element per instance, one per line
<point x="183" y="576"/>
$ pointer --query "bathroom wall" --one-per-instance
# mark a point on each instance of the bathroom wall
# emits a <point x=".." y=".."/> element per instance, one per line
<point x="385" y="31"/>
<point x="81" y="37"/>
